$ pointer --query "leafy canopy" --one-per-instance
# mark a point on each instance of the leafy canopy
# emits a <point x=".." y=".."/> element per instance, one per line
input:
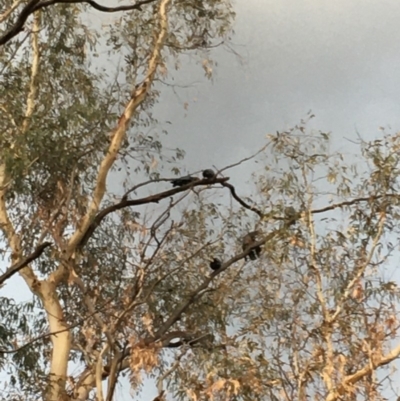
<point x="117" y="261"/>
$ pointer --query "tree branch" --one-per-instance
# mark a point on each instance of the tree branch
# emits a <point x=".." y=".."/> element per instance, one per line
<point x="184" y="338"/>
<point x="12" y="236"/>
<point x="366" y="370"/>
<point x="241" y="201"/>
<point x="35" y="5"/>
<point x="354" y="201"/>
<point x="20" y="265"/>
<point x="141" y="201"/>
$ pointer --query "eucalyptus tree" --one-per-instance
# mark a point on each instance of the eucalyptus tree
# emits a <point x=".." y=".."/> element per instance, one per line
<point x="117" y="260"/>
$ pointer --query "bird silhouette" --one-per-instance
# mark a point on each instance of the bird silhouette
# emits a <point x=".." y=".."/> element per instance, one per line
<point x="208" y="173"/>
<point x="215" y="264"/>
<point x="291" y="215"/>
<point x="180" y="182"/>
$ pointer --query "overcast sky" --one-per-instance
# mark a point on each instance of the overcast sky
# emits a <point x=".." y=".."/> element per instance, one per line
<point x="339" y="58"/>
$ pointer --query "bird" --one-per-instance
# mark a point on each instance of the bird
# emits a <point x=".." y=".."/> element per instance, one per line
<point x="180" y="182"/>
<point x="215" y="264"/>
<point x="208" y="173"/>
<point x="291" y="215"/>
<point x="247" y="242"/>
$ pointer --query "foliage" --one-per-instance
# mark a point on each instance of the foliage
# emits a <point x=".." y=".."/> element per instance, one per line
<point x="117" y="262"/>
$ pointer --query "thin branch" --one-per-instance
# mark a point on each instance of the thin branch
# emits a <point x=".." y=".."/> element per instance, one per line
<point x="185" y="338"/>
<point x="157" y="224"/>
<point x="390" y="357"/>
<point x="241" y="201"/>
<point x="29" y="9"/>
<point x="13" y="54"/>
<point x="246" y="158"/>
<point x="20" y="265"/>
<point x="35" y="5"/>
<point x="161" y="379"/>
<point x="89" y="304"/>
<point x="142" y="184"/>
<point x="133" y="304"/>
<point x="360" y="270"/>
<point x="136" y="202"/>
<point x="354" y="201"/>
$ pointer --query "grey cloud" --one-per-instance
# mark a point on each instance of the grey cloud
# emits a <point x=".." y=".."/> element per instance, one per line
<point x="340" y="59"/>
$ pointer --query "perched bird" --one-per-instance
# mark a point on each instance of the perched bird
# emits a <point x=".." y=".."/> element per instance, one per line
<point x="290" y="215"/>
<point x="248" y="241"/>
<point x="215" y="264"/>
<point x="208" y="173"/>
<point x="180" y="182"/>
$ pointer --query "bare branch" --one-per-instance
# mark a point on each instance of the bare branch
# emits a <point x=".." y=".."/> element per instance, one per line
<point x="241" y="201"/>
<point x="355" y="201"/>
<point x="246" y="158"/>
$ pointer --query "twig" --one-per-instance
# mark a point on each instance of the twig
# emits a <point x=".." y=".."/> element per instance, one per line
<point x="245" y="159"/>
